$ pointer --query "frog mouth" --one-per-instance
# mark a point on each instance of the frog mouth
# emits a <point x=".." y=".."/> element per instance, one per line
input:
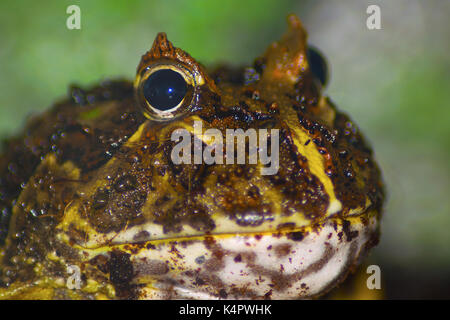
<point x="304" y="263"/>
<point x="85" y="237"/>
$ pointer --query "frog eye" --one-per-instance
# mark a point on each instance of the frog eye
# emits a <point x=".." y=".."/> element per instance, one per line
<point x="165" y="91"/>
<point x="318" y="65"/>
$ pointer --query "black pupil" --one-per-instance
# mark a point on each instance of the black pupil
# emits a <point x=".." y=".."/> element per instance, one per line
<point x="164" y="89"/>
<point x="318" y="65"/>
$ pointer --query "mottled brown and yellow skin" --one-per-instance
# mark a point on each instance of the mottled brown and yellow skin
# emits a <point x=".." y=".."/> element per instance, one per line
<point x="90" y="182"/>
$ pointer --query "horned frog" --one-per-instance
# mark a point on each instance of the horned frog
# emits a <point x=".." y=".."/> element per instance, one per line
<point x="94" y="207"/>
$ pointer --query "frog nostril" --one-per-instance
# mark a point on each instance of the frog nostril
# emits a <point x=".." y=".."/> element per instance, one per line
<point x="318" y="65"/>
<point x="164" y="89"/>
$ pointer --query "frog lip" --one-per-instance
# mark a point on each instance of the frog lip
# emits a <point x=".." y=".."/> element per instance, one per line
<point x="151" y="233"/>
<point x="225" y="227"/>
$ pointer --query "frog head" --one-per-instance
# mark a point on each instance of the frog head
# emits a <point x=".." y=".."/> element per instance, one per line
<point x="235" y="183"/>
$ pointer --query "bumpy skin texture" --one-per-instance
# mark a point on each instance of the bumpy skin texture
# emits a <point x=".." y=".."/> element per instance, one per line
<point x="91" y="184"/>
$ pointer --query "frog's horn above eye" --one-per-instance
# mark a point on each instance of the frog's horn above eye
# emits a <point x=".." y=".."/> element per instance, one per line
<point x="161" y="48"/>
<point x="286" y="59"/>
<point x="164" y="52"/>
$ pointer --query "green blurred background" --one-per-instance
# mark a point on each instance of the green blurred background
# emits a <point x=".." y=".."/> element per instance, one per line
<point x="394" y="82"/>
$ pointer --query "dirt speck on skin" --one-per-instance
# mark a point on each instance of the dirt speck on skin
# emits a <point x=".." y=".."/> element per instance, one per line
<point x="121" y="273"/>
<point x="223" y="294"/>
<point x="350" y="235"/>
<point x="282" y="250"/>
<point x="146" y="267"/>
<point x="296" y="236"/>
<point x="214" y="264"/>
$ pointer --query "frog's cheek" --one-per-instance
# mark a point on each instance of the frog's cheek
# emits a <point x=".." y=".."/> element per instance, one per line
<point x="281" y="266"/>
